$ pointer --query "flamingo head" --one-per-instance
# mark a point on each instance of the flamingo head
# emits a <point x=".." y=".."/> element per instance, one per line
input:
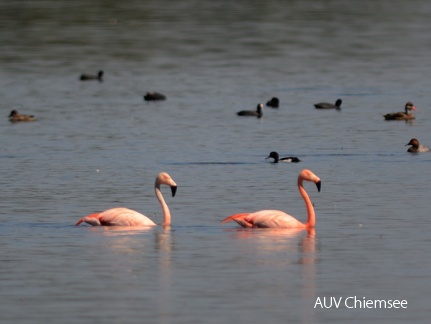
<point x="165" y="178"/>
<point x="307" y="175"/>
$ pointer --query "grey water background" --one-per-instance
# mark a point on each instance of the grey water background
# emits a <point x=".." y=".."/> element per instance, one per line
<point x="99" y="145"/>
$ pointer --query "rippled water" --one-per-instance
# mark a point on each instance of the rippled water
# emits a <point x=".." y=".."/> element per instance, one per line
<point x="99" y="145"/>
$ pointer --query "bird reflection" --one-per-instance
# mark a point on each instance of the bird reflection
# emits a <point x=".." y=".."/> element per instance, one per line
<point x="129" y="242"/>
<point x="271" y="234"/>
<point x="122" y="230"/>
<point x="282" y="239"/>
<point x="307" y="245"/>
<point x="300" y="245"/>
<point x="147" y="245"/>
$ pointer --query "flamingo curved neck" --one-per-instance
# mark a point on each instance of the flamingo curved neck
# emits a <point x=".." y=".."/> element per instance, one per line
<point x="311" y="222"/>
<point x="165" y="208"/>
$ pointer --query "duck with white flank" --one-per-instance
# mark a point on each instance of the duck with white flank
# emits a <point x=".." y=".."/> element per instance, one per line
<point x="277" y="158"/>
<point x="416" y="147"/>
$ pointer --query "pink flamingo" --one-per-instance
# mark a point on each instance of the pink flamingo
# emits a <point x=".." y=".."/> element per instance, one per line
<point x="277" y="218"/>
<point x="127" y="217"/>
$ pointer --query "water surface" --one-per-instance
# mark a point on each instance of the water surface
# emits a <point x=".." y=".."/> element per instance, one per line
<point x="99" y="145"/>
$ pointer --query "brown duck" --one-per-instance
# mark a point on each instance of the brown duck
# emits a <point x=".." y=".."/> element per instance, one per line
<point x="407" y="115"/>
<point x="15" y="117"/>
<point x="416" y="147"/>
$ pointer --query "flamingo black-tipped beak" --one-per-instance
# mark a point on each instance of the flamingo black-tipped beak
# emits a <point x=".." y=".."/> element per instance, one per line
<point x="318" y="185"/>
<point x="174" y="190"/>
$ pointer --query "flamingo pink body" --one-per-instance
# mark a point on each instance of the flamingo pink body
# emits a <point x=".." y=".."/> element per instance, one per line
<point x="277" y="218"/>
<point x="127" y="217"/>
<point x="117" y="217"/>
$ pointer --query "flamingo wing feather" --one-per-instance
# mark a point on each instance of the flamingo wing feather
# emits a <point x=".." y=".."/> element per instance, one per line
<point x="274" y="219"/>
<point x="265" y="219"/>
<point x="117" y="217"/>
<point x="124" y="217"/>
<point x="92" y="219"/>
<point x="241" y="219"/>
